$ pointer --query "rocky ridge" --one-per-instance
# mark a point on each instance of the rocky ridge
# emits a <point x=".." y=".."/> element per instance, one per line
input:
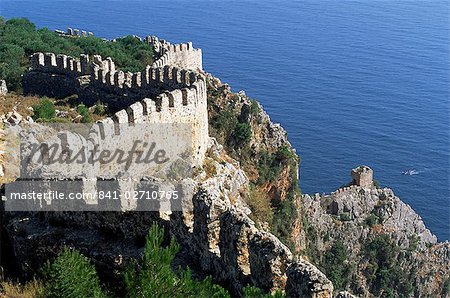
<point x="356" y="216"/>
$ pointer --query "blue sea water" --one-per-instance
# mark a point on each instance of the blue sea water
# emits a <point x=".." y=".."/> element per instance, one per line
<point x="353" y="82"/>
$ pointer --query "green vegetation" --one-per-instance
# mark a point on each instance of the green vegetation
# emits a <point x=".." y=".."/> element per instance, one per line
<point x="270" y="165"/>
<point x="283" y="219"/>
<point x="259" y="202"/>
<point x="372" y="220"/>
<point x="413" y="243"/>
<point x="335" y="265"/>
<point x="84" y="112"/>
<point x="383" y="270"/>
<point x="156" y="278"/>
<point x="252" y="292"/>
<point x="71" y="275"/>
<point x="19" y="39"/>
<point x="242" y="134"/>
<point x="232" y="130"/>
<point x="446" y="288"/>
<point x="100" y="109"/>
<point x="45" y="110"/>
<point x="255" y="109"/>
<point x="345" y="216"/>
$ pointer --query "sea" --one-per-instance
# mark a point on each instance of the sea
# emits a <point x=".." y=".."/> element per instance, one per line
<point x="352" y="82"/>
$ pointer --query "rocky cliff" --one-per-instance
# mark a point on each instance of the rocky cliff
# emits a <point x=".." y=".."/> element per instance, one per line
<point x="248" y="224"/>
<point x="387" y="248"/>
<point x="215" y="233"/>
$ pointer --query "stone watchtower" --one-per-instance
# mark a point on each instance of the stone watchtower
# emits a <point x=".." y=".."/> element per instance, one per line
<point x="362" y="176"/>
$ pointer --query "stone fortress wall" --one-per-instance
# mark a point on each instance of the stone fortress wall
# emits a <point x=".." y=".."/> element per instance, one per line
<point x="171" y="90"/>
<point x="182" y="55"/>
<point x="220" y="237"/>
<point x="74" y="32"/>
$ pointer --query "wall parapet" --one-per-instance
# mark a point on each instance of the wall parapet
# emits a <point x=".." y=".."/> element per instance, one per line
<point x="182" y="55"/>
<point x="166" y="92"/>
<point x="103" y="72"/>
<point x="74" y="33"/>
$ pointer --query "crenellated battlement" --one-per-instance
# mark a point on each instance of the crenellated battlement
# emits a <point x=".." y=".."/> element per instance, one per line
<point x="171" y="90"/>
<point x="104" y="72"/>
<point x="182" y="55"/>
<point x="74" y="33"/>
<point x="347" y="189"/>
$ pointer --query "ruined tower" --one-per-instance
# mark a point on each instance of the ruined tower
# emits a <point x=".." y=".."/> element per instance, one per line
<point x="362" y="176"/>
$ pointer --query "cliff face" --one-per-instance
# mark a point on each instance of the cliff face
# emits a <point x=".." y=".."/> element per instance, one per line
<point x="363" y="218"/>
<point x="264" y="153"/>
<point x="215" y="233"/>
<point x="373" y="223"/>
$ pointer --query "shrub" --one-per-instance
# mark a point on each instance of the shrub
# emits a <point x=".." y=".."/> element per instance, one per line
<point x="335" y="266"/>
<point x="259" y="202"/>
<point x="99" y="109"/>
<point x="446" y="288"/>
<point x="156" y="279"/>
<point x="44" y="110"/>
<point x="270" y="165"/>
<point x="242" y="134"/>
<point x="19" y="39"/>
<point x="209" y="167"/>
<point x="284" y="216"/>
<point x="84" y="112"/>
<point x="253" y="292"/>
<point x="254" y="108"/>
<point x="71" y="275"/>
<point x="372" y="220"/>
<point x="224" y="123"/>
<point x="32" y="289"/>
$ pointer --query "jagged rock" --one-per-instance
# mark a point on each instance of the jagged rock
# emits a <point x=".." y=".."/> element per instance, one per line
<point x="355" y="214"/>
<point x="304" y="280"/>
<point x="345" y="294"/>
<point x="3" y="87"/>
<point x="13" y="117"/>
<point x="61" y="114"/>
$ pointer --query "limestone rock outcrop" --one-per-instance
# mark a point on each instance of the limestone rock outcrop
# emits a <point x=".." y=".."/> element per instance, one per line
<point x="356" y="214"/>
<point x="215" y="234"/>
<point x="3" y="87"/>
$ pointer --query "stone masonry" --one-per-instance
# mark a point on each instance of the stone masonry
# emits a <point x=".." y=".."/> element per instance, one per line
<point x="362" y="176"/>
<point x="220" y="236"/>
<point x="161" y="93"/>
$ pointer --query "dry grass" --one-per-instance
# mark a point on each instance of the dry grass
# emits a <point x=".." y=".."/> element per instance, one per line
<point x="259" y="202"/>
<point x="21" y="104"/>
<point x="209" y="167"/>
<point x="11" y="101"/>
<point x="32" y="289"/>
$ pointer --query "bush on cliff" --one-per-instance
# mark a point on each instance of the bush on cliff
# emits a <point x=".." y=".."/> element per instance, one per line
<point x="84" y="112"/>
<point x="19" y="39"/>
<point x="156" y="278"/>
<point x="45" y="110"/>
<point x="335" y="264"/>
<point x="384" y="272"/>
<point x="71" y="275"/>
<point x="242" y="134"/>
